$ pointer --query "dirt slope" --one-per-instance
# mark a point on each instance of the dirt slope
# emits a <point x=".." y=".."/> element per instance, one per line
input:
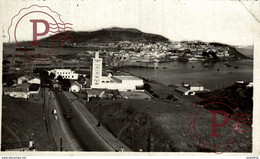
<point x="156" y="125"/>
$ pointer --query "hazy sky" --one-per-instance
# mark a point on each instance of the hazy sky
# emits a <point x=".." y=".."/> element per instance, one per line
<point x="221" y="21"/>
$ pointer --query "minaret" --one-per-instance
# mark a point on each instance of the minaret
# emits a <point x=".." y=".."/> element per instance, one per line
<point x="96" y="71"/>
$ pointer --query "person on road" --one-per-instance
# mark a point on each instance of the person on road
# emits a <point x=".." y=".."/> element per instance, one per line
<point x="54" y="112"/>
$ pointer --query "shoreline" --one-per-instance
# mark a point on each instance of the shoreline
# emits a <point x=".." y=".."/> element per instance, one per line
<point x="145" y="64"/>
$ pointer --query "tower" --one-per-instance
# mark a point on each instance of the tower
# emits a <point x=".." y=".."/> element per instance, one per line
<point x="96" y="71"/>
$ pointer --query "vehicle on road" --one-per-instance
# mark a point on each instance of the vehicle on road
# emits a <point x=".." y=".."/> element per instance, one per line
<point x="68" y="114"/>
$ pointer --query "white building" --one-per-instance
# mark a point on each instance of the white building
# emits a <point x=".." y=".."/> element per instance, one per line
<point x="94" y="93"/>
<point x="121" y="83"/>
<point x="75" y="87"/>
<point x="64" y="73"/>
<point x="35" y="81"/>
<point x="250" y="84"/>
<point x="184" y="91"/>
<point x="196" y="87"/>
<point x="23" y="79"/>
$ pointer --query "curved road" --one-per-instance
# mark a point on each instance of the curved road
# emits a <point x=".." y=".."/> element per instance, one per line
<point x="80" y="128"/>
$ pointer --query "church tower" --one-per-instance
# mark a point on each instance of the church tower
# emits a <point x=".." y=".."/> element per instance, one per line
<point x="96" y="71"/>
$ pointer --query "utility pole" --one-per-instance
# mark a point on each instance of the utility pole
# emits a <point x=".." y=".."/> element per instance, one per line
<point x="60" y="144"/>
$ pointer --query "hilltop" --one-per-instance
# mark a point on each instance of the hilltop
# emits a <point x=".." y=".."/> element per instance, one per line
<point x="232" y="50"/>
<point x="116" y="35"/>
<point x="113" y="34"/>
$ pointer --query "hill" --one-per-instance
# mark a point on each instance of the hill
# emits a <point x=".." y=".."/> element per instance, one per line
<point x="238" y="93"/>
<point x="158" y="125"/>
<point x="232" y="50"/>
<point x="115" y="34"/>
<point x="111" y="35"/>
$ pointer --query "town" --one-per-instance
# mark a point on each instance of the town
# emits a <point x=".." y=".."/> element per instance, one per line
<point x="71" y="91"/>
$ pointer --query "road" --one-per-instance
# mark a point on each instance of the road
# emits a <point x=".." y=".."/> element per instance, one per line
<point x="61" y="135"/>
<point x="79" y="128"/>
<point x="100" y="130"/>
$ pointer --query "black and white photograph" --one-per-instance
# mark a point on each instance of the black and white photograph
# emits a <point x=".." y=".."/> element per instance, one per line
<point x="129" y="76"/>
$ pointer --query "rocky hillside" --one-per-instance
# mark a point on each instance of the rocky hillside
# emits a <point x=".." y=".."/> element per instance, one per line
<point x="115" y="34"/>
<point x="157" y="125"/>
<point x="232" y="50"/>
<point x="112" y="35"/>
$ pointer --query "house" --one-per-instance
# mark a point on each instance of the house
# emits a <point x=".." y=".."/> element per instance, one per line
<point x="75" y="87"/>
<point x="250" y="85"/>
<point x="184" y="91"/>
<point x="94" y="93"/>
<point x="65" y="73"/>
<point x="196" y="87"/>
<point x="34" y="89"/>
<point x="241" y="83"/>
<point x="35" y="80"/>
<point x="56" y="86"/>
<point x="23" y="79"/>
<point x="20" y="91"/>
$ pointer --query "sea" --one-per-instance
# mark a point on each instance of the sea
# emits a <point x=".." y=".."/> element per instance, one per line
<point x="217" y="77"/>
<point x="168" y="73"/>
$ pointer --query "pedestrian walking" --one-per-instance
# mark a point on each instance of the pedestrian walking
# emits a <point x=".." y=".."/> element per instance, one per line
<point x="54" y="111"/>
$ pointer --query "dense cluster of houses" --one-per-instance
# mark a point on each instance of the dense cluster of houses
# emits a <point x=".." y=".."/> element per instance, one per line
<point x="23" y="87"/>
<point x="162" y="51"/>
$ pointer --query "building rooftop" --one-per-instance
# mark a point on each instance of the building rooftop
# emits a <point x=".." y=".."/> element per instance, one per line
<point x="25" y="77"/>
<point x="94" y="91"/>
<point x="76" y="84"/>
<point x="127" y="78"/>
<point x="23" y="85"/>
<point x="196" y="85"/>
<point x="62" y="69"/>
<point x="19" y="89"/>
<point x="182" y="89"/>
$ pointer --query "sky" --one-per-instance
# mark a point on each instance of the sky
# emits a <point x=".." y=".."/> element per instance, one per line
<point x="229" y="22"/>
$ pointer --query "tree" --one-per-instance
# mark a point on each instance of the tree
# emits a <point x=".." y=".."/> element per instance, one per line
<point x="66" y="83"/>
<point x="5" y="62"/>
<point x="43" y="74"/>
<point x="81" y="79"/>
<point x="59" y="78"/>
<point x="147" y="86"/>
<point x="171" y="97"/>
<point x="52" y="75"/>
<point x="9" y="83"/>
